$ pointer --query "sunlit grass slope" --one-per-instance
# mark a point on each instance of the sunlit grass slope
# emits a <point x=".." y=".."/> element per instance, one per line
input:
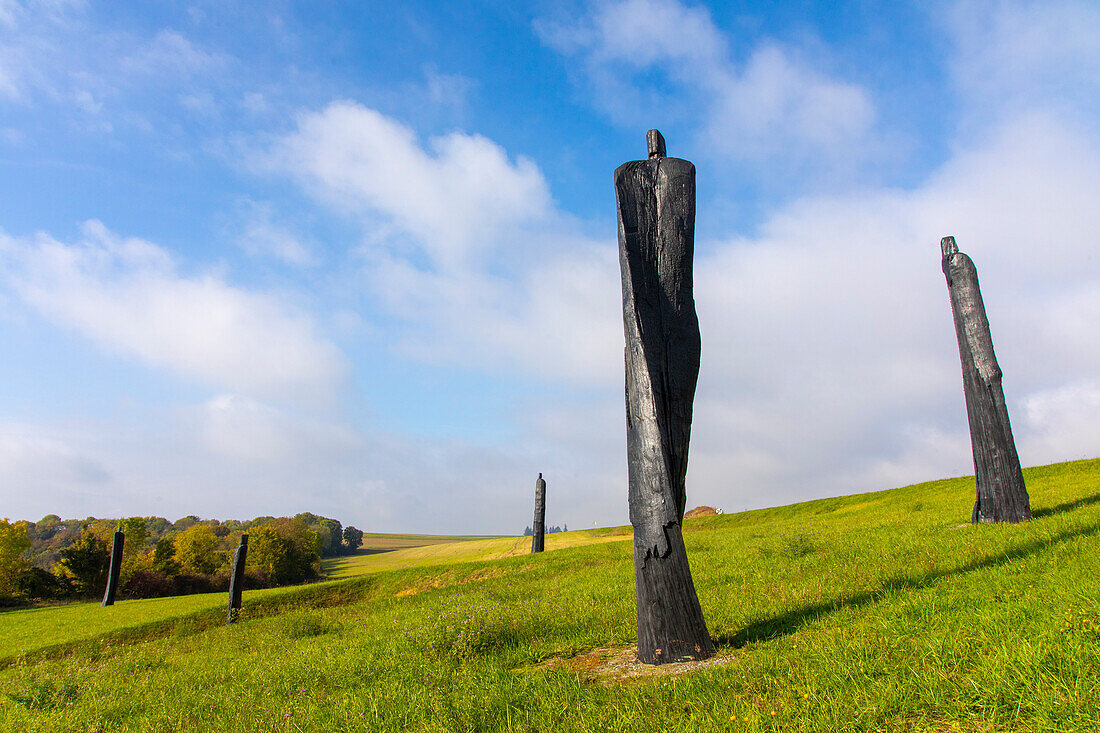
<point x="877" y="612"/>
<point x="461" y="549"/>
<point x="55" y="628"/>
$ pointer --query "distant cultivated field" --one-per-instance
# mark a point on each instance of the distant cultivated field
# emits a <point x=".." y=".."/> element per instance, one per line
<point x="875" y="612"/>
<point x="410" y="552"/>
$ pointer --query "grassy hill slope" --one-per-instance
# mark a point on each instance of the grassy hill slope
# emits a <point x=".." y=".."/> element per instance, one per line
<point x="883" y="611"/>
<point x="448" y="551"/>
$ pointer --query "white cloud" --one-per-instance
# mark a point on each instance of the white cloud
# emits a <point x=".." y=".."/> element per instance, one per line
<point x="774" y="108"/>
<point x="1012" y="54"/>
<point x="29" y="462"/>
<point x="245" y="430"/>
<point x="449" y="90"/>
<point x="460" y="195"/>
<point x="54" y="56"/>
<point x="261" y="236"/>
<point x="777" y="108"/>
<point x="8" y="11"/>
<point x="558" y="319"/>
<point x="170" y="53"/>
<point x="645" y="32"/>
<point x="475" y="263"/>
<point x="128" y="295"/>
<point x="1061" y="423"/>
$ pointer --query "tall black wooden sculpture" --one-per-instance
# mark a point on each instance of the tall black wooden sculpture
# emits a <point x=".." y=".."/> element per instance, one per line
<point x="115" y="569"/>
<point x="236" y="581"/>
<point x="538" y="529"/>
<point x="656" y="202"/>
<point x="1001" y="495"/>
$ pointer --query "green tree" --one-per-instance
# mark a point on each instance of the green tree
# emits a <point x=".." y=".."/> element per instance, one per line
<point x="186" y="522"/>
<point x="286" y="550"/>
<point x="86" y="562"/>
<point x="157" y="526"/>
<point x="45" y="528"/>
<point x="196" y="549"/>
<point x="353" y="538"/>
<point x="332" y="537"/>
<point x="34" y="582"/>
<point x="136" y="533"/>
<point x="14" y="544"/>
<point x="164" y="557"/>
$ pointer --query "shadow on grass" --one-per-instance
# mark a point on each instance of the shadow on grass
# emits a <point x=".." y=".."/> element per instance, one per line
<point x="1066" y="506"/>
<point x="318" y="595"/>
<point x="787" y="623"/>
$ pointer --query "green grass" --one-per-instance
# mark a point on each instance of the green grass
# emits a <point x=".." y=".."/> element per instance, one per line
<point x="56" y="630"/>
<point x="449" y="550"/>
<point x="876" y="612"/>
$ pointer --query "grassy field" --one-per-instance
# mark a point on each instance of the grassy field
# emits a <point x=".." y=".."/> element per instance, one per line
<point x="875" y="612"/>
<point x="449" y="550"/>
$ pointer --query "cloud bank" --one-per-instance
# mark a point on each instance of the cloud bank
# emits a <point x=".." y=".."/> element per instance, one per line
<point x="129" y="296"/>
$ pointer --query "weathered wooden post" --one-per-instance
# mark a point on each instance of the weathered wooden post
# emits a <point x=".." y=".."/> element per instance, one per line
<point x="656" y="203"/>
<point x="538" y="528"/>
<point x="1001" y="495"/>
<point x="236" y="580"/>
<point x="115" y="569"/>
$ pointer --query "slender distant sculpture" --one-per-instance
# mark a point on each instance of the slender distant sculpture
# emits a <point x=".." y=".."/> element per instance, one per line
<point x="538" y="530"/>
<point x="236" y="581"/>
<point x="115" y="569"/>
<point x="656" y="203"/>
<point x="1001" y="495"/>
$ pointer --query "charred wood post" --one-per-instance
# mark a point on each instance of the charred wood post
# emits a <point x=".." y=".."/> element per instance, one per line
<point x="656" y="204"/>
<point x="236" y="581"/>
<point x="115" y="569"/>
<point x="1001" y="495"/>
<point x="538" y="528"/>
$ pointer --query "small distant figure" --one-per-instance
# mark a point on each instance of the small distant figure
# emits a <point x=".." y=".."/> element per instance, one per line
<point x="1001" y="495"/>
<point x="236" y="580"/>
<point x="538" y="531"/>
<point x="115" y="569"/>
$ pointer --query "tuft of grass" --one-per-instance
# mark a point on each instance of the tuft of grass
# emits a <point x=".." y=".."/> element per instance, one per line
<point x="303" y="625"/>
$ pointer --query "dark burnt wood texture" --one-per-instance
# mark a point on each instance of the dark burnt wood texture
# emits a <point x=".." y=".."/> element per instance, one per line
<point x="236" y="580"/>
<point x="114" y="570"/>
<point x="656" y="205"/>
<point x="538" y="528"/>
<point x="1001" y="495"/>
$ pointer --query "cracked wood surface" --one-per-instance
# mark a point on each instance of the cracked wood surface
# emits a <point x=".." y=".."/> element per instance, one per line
<point x="656" y="207"/>
<point x="1000" y="492"/>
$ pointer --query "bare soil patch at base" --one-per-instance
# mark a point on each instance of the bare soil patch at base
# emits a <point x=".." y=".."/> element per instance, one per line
<point x="617" y="665"/>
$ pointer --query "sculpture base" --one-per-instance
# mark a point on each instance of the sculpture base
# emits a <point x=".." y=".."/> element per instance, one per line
<point x="670" y="621"/>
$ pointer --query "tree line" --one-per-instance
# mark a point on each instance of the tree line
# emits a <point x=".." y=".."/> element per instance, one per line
<point x="56" y="559"/>
<point x="549" y="530"/>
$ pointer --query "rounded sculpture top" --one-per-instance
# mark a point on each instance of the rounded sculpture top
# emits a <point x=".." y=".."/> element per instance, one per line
<point x="948" y="247"/>
<point x="655" y="141"/>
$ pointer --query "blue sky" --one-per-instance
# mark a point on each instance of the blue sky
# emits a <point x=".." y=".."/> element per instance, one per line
<point x="360" y="259"/>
